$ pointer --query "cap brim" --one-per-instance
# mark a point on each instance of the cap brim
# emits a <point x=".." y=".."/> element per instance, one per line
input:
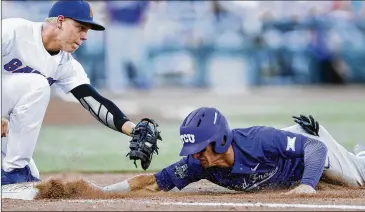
<point x="193" y="148"/>
<point x="94" y="26"/>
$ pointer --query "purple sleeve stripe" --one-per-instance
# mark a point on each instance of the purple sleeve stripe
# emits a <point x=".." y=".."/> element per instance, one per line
<point x="315" y="153"/>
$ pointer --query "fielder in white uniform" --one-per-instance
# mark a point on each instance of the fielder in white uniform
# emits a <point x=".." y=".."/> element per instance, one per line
<point x="35" y="56"/>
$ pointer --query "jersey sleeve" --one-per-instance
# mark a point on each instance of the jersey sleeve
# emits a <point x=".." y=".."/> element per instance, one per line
<point x="180" y="174"/>
<point x="283" y="143"/>
<point x="7" y="36"/>
<point x="74" y="75"/>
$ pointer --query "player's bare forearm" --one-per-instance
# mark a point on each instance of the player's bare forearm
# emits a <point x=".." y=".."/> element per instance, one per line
<point x="143" y="182"/>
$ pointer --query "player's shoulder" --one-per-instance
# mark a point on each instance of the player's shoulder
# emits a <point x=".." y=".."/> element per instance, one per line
<point x="253" y="134"/>
<point x="19" y="26"/>
<point x="17" y="23"/>
<point x="249" y="130"/>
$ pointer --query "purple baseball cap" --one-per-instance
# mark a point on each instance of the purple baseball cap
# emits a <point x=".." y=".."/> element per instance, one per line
<point x="77" y="10"/>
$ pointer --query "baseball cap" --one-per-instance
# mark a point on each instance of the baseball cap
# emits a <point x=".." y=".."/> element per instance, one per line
<point x="77" y="10"/>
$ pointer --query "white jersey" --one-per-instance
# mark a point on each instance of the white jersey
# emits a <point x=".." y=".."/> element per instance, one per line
<point x="23" y="52"/>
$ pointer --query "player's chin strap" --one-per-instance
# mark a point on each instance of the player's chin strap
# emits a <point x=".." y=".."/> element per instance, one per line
<point x="102" y="109"/>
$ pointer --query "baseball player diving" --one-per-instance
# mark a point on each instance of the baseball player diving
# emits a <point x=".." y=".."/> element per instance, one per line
<point x="36" y="55"/>
<point x="254" y="158"/>
<point x="246" y="159"/>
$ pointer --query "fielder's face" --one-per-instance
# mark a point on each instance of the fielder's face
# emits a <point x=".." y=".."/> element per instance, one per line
<point x="72" y="34"/>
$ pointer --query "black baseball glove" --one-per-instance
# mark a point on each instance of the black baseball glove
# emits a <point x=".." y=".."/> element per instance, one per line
<point x="144" y="142"/>
<point x="310" y="125"/>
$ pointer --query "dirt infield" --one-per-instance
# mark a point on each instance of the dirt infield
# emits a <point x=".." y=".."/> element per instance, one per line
<point x="201" y="196"/>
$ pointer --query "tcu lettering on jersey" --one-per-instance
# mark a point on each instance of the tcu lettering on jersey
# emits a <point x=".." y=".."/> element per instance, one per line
<point x="186" y="138"/>
<point x="15" y="66"/>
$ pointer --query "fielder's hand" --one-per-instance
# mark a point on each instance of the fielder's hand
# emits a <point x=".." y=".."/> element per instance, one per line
<point x="144" y="142"/>
<point x="302" y="189"/>
<point x="310" y="125"/>
<point x="4" y="127"/>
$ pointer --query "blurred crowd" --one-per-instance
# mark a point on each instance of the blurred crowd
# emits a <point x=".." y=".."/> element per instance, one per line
<point x="153" y="43"/>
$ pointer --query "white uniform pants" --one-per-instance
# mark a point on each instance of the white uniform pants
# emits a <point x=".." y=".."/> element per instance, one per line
<point x="25" y="98"/>
<point x="341" y="166"/>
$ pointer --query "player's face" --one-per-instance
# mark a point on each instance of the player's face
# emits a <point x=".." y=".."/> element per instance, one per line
<point x="72" y="35"/>
<point x="207" y="157"/>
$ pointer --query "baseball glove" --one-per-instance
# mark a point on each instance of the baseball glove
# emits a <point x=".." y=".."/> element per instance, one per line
<point x="310" y="125"/>
<point x="144" y="142"/>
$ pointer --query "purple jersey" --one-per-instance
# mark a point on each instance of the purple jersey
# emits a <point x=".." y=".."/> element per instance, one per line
<point x="263" y="157"/>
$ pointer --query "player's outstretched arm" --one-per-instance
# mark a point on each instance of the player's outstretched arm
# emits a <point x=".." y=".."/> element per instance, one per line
<point x="144" y="135"/>
<point x="179" y="175"/>
<point x="145" y="182"/>
<point x="102" y="109"/>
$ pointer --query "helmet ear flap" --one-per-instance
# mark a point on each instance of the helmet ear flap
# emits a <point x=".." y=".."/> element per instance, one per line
<point x="224" y="144"/>
<point x="221" y="144"/>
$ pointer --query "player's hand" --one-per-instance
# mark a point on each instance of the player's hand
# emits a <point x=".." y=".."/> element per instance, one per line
<point x="144" y="142"/>
<point x="4" y="127"/>
<point x="301" y="189"/>
<point x="310" y="125"/>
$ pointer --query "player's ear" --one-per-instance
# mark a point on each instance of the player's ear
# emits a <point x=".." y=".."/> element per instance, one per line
<point x="60" y="20"/>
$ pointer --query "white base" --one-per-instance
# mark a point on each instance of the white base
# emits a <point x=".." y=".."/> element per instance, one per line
<point x="22" y="191"/>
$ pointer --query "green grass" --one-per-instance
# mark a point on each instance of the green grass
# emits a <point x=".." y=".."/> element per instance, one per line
<point x="99" y="149"/>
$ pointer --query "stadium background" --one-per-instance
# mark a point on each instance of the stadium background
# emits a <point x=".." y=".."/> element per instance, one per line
<point x="258" y="62"/>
